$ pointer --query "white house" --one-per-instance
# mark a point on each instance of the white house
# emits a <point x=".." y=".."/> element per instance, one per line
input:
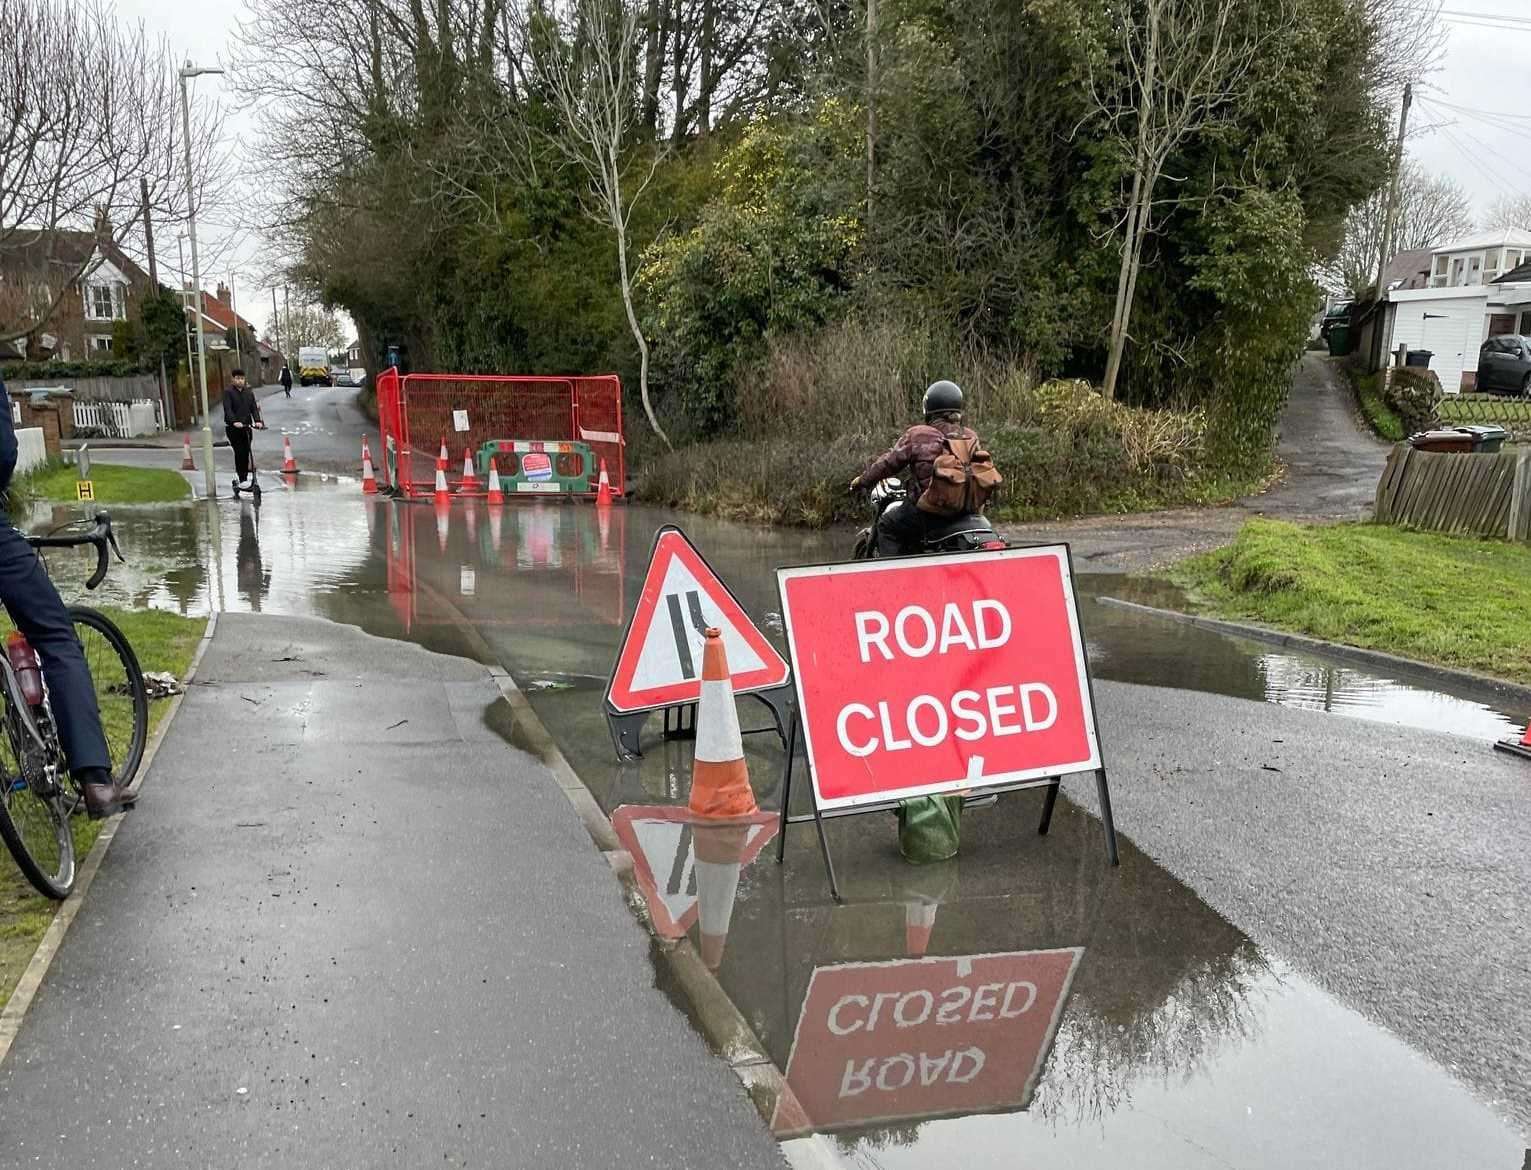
<point x="1479" y="288"/>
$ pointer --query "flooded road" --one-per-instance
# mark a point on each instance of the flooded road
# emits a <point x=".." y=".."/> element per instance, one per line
<point x="1021" y="1005"/>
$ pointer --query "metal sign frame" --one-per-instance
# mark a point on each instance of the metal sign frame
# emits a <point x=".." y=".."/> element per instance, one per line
<point x="1039" y="778"/>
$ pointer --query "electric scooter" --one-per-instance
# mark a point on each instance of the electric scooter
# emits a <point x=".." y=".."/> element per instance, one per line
<point x="253" y="491"/>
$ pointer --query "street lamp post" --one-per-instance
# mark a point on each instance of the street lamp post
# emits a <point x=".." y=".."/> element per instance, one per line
<point x="188" y="71"/>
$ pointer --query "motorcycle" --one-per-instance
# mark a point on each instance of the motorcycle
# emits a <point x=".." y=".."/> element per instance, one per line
<point x="968" y="533"/>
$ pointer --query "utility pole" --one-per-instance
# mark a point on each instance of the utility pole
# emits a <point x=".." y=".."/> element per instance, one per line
<point x="167" y="407"/>
<point x="210" y="488"/>
<point x="871" y="100"/>
<point x="1392" y="193"/>
<point x="239" y="360"/>
<point x="276" y="325"/>
<point x="191" y="362"/>
<point x="287" y="311"/>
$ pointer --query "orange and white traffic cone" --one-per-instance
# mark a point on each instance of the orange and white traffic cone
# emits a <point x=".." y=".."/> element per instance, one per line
<point x="442" y="494"/>
<point x="496" y="492"/>
<point x="187" y="462"/>
<point x="443" y="457"/>
<point x="720" y="780"/>
<point x="719" y="855"/>
<point x="289" y="464"/>
<point x="603" y="487"/>
<point x="469" y="481"/>
<point x="919" y="921"/>
<point x="368" y="478"/>
<point x="1521" y="747"/>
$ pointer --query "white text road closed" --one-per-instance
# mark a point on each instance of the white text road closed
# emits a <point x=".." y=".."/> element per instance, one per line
<point x="926" y="1037"/>
<point x="932" y="674"/>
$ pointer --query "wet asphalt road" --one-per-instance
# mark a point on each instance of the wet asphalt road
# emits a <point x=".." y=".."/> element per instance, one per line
<point x="350" y="926"/>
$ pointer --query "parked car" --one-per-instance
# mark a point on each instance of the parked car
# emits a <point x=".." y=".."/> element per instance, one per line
<point x="1504" y="365"/>
<point x="341" y="376"/>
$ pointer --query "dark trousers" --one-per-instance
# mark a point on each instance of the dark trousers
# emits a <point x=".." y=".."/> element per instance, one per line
<point x="239" y="439"/>
<point x="900" y="529"/>
<point x="39" y="613"/>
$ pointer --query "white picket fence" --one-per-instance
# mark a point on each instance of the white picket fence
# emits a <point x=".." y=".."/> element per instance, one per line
<point x="117" y="420"/>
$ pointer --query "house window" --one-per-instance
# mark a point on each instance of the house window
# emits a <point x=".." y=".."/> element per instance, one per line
<point x="100" y="343"/>
<point x="1525" y="324"/>
<point x="1458" y="271"/>
<point x="106" y="302"/>
<point x="1501" y="323"/>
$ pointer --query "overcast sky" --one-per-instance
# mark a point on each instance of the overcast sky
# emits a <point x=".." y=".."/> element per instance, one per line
<point x="1471" y="120"/>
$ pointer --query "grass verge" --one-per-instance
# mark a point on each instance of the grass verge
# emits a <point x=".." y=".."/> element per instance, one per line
<point x="1377" y="414"/>
<point x="114" y="484"/>
<point x="1456" y="601"/>
<point x="162" y="641"/>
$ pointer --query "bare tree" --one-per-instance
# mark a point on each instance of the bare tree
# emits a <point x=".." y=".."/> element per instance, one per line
<point x="1509" y="214"/>
<point x="307" y="325"/>
<point x="1180" y="67"/>
<point x="587" y="65"/>
<point x="1431" y="211"/>
<point x="90" y="109"/>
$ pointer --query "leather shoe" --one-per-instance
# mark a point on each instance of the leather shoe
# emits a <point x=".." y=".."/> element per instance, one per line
<point x="105" y="800"/>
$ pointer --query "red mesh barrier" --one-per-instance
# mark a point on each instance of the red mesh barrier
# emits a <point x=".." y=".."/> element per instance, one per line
<point x="425" y="408"/>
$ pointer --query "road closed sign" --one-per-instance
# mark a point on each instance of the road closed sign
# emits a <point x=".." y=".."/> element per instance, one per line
<point x="919" y="1038"/>
<point x="925" y="675"/>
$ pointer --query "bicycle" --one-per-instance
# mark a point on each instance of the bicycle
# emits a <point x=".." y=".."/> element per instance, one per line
<point x="38" y="797"/>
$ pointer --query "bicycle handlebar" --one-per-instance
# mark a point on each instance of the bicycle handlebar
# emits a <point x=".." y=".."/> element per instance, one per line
<point x="100" y="535"/>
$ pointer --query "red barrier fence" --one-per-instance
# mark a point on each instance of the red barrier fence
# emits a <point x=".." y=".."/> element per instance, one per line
<point x="416" y="411"/>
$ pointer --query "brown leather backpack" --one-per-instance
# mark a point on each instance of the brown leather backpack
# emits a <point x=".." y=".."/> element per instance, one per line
<point x="962" y="479"/>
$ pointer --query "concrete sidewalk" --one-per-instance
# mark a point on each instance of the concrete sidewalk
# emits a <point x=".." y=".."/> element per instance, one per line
<point x="350" y="925"/>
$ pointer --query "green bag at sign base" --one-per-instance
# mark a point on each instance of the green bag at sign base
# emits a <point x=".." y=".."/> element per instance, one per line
<point x="929" y="828"/>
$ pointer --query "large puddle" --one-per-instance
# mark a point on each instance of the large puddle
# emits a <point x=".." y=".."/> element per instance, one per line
<point x="1023" y="1005"/>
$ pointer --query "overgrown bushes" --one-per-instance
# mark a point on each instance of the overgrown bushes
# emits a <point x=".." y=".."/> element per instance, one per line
<point x="816" y="410"/>
<point x="34" y="371"/>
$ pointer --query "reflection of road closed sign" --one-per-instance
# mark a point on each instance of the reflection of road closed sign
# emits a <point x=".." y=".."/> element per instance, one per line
<point x="931" y="674"/>
<point x="537" y="467"/>
<point x="917" y="1038"/>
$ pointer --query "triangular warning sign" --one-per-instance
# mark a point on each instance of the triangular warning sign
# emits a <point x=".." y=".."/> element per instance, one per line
<point x="659" y="838"/>
<point x="660" y="663"/>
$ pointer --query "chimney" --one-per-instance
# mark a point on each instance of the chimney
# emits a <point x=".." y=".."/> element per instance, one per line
<point x="222" y="295"/>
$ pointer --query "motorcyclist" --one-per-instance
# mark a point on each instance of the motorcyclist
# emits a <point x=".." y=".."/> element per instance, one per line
<point x="901" y="528"/>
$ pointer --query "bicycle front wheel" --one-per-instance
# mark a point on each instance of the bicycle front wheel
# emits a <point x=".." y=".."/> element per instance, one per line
<point x="121" y="696"/>
<point x="34" y="816"/>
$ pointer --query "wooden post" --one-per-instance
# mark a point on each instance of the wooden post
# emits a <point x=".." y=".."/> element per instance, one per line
<point x="1520" y="494"/>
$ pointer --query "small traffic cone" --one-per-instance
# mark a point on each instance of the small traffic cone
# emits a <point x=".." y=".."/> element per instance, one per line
<point x="496" y="493"/>
<point x="442" y="495"/>
<point x="289" y="464"/>
<point x="919" y="921"/>
<point x="1521" y="747"/>
<point x="603" y="487"/>
<point x="719" y="854"/>
<point x="443" y="457"/>
<point x="368" y="479"/>
<point x="720" y="780"/>
<point x="187" y="462"/>
<point x="469" y="481"/>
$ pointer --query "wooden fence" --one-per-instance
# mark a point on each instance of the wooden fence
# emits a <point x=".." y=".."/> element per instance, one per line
<point x="96" y="389"/>
<point x="1479" y="495"/>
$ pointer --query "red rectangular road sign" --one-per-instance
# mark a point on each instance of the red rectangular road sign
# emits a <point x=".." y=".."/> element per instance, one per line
<point x="932" y="674"/>
<point x="927" y="1037"/>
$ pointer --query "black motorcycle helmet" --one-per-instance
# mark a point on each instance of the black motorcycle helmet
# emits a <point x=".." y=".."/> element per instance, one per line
<point x="942" y="397"/>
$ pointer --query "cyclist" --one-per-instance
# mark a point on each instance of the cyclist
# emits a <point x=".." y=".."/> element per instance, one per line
<point x="39" y="613"/>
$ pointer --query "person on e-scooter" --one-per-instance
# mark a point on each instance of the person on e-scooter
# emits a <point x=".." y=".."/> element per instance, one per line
<point x="241" y="416"/>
